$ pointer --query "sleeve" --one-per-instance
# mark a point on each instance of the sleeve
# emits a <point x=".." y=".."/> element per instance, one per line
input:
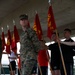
<point x="66" y="47"/>
<point x="50" y="47"/>
<point x="73" y="50"/>
<point x="35" y="41"/>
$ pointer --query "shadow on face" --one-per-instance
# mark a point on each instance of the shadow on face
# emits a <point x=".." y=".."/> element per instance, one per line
<point x="23" y="22"/>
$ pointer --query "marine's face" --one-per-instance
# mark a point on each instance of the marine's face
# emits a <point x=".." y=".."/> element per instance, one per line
<point x="42" y="44"/>
<point x="53" y="37"/>
<point x="24" y="22"/>
<point x="67" y="34"/>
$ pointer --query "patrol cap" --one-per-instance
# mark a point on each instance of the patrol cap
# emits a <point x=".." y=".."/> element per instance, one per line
<point x="23" y="16"/>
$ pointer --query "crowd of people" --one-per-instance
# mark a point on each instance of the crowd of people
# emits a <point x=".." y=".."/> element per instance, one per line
<point x="34" y="52"/>
<point x="31" y="48"/>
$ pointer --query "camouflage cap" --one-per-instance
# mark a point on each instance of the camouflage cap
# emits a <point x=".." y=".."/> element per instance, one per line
<point x="23" y="16"/>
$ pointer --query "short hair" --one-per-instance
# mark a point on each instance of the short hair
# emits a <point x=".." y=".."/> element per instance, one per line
<point x="67" y="29"/>
<point x="55" y="33"/>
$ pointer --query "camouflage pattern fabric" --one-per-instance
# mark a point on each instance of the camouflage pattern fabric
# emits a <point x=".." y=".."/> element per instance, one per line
<point x="30" y="45"/>
<point x="27" y="67"/>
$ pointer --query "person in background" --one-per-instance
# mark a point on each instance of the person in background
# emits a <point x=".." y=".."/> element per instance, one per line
<point x="55" y="55"/>
<point x="43" y="60"/>
<point x="12" y="64"/>
<point x="30" y="45"/>
<point x="67" y="53"/>
<point x="67" y="35"/>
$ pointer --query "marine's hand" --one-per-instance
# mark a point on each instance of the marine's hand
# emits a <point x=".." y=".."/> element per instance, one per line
<point x="58" y="40"/>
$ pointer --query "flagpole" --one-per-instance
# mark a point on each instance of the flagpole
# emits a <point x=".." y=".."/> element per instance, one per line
<point x="8" y="56"/>
<point x="58" y="42"/>
<point x="13" y="22"/>
<point x="18" y="67"/>
<point x="37" y="27"/>
<point x="61" y="55"/>
<point x="39" y="67"/>
<point x="1" y="51"/>
<point x="49" y="1"/>
<point x="38" y="62"/>
<point x="16" y="34"/>
<point x="48" y="56"/>
<point x="9" y="63"/>
<point x="1" y="57"/>
<point x="2" y="69"/>
<point x="16" y="43"/>
<point x="49" y="61"/>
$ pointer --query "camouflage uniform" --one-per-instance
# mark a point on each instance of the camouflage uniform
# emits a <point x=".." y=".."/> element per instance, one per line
<point x="30" y="45"/>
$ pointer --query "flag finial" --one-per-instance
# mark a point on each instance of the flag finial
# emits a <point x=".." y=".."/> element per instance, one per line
<point x="13" y="22"/>
<point x="36" y="11"/>
<point x="2" y="29"/>
<point x="49" y="1"/>
<point x="7" y="27"/>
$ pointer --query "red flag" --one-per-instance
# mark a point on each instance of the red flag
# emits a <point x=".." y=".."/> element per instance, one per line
<point x="37" y="27"/>
<point x="14" y="44"/>
<point x="8" y="42"/>
<point x="16" y="35"/>
<point x="42" y="58"/>
<point x="9" y="36"/>
<point x="51" y="22"/>
<point x="3" y="41"/>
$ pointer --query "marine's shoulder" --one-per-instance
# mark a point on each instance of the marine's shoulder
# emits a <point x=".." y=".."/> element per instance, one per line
<point x="22" y="33"/>
<point x="31" y="31"/>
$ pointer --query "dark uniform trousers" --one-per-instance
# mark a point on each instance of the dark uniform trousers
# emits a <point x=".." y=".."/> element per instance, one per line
<point x="69" y="69"/>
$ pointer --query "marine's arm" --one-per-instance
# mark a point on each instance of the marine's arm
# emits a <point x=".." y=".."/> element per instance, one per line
<point x="68" y="43"/>
<point x="34" y="39"/>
